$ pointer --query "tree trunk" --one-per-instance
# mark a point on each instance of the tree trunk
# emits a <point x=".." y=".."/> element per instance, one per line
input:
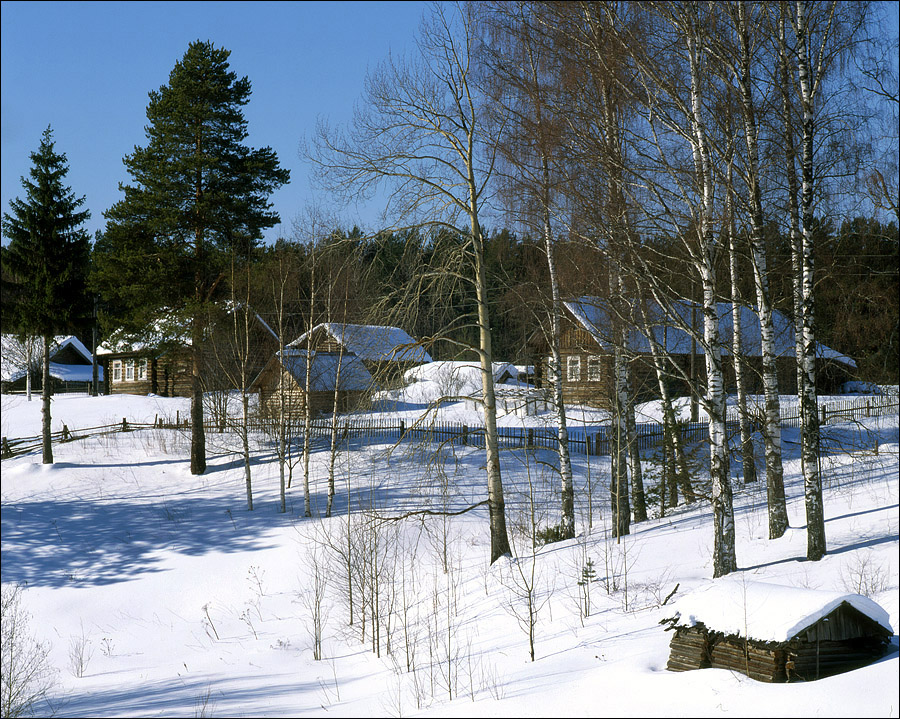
<point x="639" y="504"/>
<point x="567" y="525"/>
<point x="496" y="505"/>
<point x="245" y="442"/>
<point x="809" y="449"/>
<point x="724" y="560"/>
<point x="198" y="433"/>
<point x="778" y="518"/>
<point x="748" y="460"/>
<point x="46" y="440"/>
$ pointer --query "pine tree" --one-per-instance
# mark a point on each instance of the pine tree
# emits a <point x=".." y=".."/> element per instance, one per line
<point x="199" y="194"/>
<point x="46" y="264"/>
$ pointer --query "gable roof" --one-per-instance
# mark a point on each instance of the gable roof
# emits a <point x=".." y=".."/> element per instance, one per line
<point x="766" y="612"/>
<point x="593" y="315"/>
<point x="12" y="365"/>
<point x="374" y="343"/>
<point x="354" y="377"/>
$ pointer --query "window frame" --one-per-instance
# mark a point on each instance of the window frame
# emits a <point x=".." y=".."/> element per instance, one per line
<point x="594" y="368"/>
<point x="573" y="368"/>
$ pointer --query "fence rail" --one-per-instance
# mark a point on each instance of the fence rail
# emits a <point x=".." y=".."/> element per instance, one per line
<point x="588" y="441"/>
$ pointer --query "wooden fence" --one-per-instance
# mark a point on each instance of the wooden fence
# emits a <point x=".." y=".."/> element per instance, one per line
<point x="582" y="440"/>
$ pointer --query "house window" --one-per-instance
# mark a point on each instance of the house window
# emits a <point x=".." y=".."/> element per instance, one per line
<point x="595" y="369"/>
<point x="142" y="369"/>
<point x="573" y="368"/>
<point x="129" y="370"/>
<point x="117" y="370"/>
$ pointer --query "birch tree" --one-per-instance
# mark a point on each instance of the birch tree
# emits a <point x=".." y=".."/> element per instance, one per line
<point x="523" y="67"/>
<point x="420" y="132"/>
<point x="823" y="34"/>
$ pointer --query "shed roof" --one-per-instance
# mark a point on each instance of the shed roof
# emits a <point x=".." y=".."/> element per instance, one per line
<point x="592" y="313"/>
<point x="371" y="342"/>
<point x="766" y="612"/>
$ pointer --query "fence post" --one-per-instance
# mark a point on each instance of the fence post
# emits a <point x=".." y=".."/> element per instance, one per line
<point x="124" y="424"/>
<point x="65" y="433"/>
<point x="824" y="417"/>
<point x="402" y="429"/>
<point x="530" y="439"/>
<point x="5" y="448"/>
<point x="465" y="434"/>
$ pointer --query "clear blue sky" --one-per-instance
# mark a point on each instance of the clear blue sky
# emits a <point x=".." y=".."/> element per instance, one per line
<point x="86" y="68"/>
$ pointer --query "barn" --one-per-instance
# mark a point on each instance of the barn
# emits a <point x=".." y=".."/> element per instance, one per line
<point x="775" y="633"/>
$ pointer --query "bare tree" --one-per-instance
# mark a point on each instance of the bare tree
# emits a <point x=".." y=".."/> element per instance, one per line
<point x="824" y="33"/>
<point x="523" y="70"/>
<point x="421" y="131"/>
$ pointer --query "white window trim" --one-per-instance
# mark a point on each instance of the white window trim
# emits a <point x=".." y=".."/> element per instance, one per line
<point x="573" y="368"/>
<point x="142" y="369"/>
<point x="129" y="370"/>
<point x="117" y="371"/>
<point x="594" y="368"/>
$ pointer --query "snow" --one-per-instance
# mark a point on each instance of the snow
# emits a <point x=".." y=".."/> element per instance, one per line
<point x="12" y="352"/>
<point x="766" y="612"/>
<point x="177" y="592"/>
<point x="372" y="342"/>
<point x="326" y="367"/>
<point x="592" y="314"/>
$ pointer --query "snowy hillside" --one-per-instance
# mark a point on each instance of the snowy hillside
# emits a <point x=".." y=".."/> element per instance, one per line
<point x="159" y="594"/>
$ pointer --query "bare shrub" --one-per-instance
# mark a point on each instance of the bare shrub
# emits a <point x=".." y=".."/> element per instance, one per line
<point x="27" y="677"/>
<point x="80" y="653"/>
<point x="862" y="575"/>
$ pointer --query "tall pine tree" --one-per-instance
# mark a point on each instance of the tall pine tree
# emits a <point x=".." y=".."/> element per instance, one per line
<point x="45" y="266"/>
<point x="198" y="193"/>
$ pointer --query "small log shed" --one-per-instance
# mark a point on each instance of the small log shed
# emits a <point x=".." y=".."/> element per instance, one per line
<point x="775" y="633"/>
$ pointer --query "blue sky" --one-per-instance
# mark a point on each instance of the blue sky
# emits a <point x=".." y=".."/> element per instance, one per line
<point x="86" y="68"/>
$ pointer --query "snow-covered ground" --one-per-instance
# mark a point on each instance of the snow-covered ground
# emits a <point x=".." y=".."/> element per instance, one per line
<point x="177" y="601"/>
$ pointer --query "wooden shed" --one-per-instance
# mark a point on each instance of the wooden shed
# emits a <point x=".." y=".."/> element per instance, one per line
<point x="775" y="633"/>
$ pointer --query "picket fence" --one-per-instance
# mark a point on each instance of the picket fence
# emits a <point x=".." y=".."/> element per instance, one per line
<point x="588" y="440"/>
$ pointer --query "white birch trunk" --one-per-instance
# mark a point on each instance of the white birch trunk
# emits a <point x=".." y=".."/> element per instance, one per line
<point x="815" y="516"/>
<point x="778" y="519"/>
<point x="724" y="559"/>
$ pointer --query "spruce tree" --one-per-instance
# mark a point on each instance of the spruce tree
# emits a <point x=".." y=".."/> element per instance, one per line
<point x="45" y="266"/>
<point x="198" y="193"/>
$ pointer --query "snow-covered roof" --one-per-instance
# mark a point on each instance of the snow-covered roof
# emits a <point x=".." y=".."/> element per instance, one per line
<point x="766" y="612"/>
<point x="592" y="314"/>
<point x="372" y="342"/>
<point x="465" y="373"/>
<point x="324" y="370"/>
<point x="12" y="359"/>
<point x="168" y="330"/>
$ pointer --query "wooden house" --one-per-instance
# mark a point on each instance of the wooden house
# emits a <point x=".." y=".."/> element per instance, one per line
<point x="135" y="368"/>
<point x="386" y="352"/>
<point x="587" y="346"/>
<point x="775" y="633"/>
<point x="287" y="372"/>
<point x="160" y="361"/>
<point x="71" y="365"/>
